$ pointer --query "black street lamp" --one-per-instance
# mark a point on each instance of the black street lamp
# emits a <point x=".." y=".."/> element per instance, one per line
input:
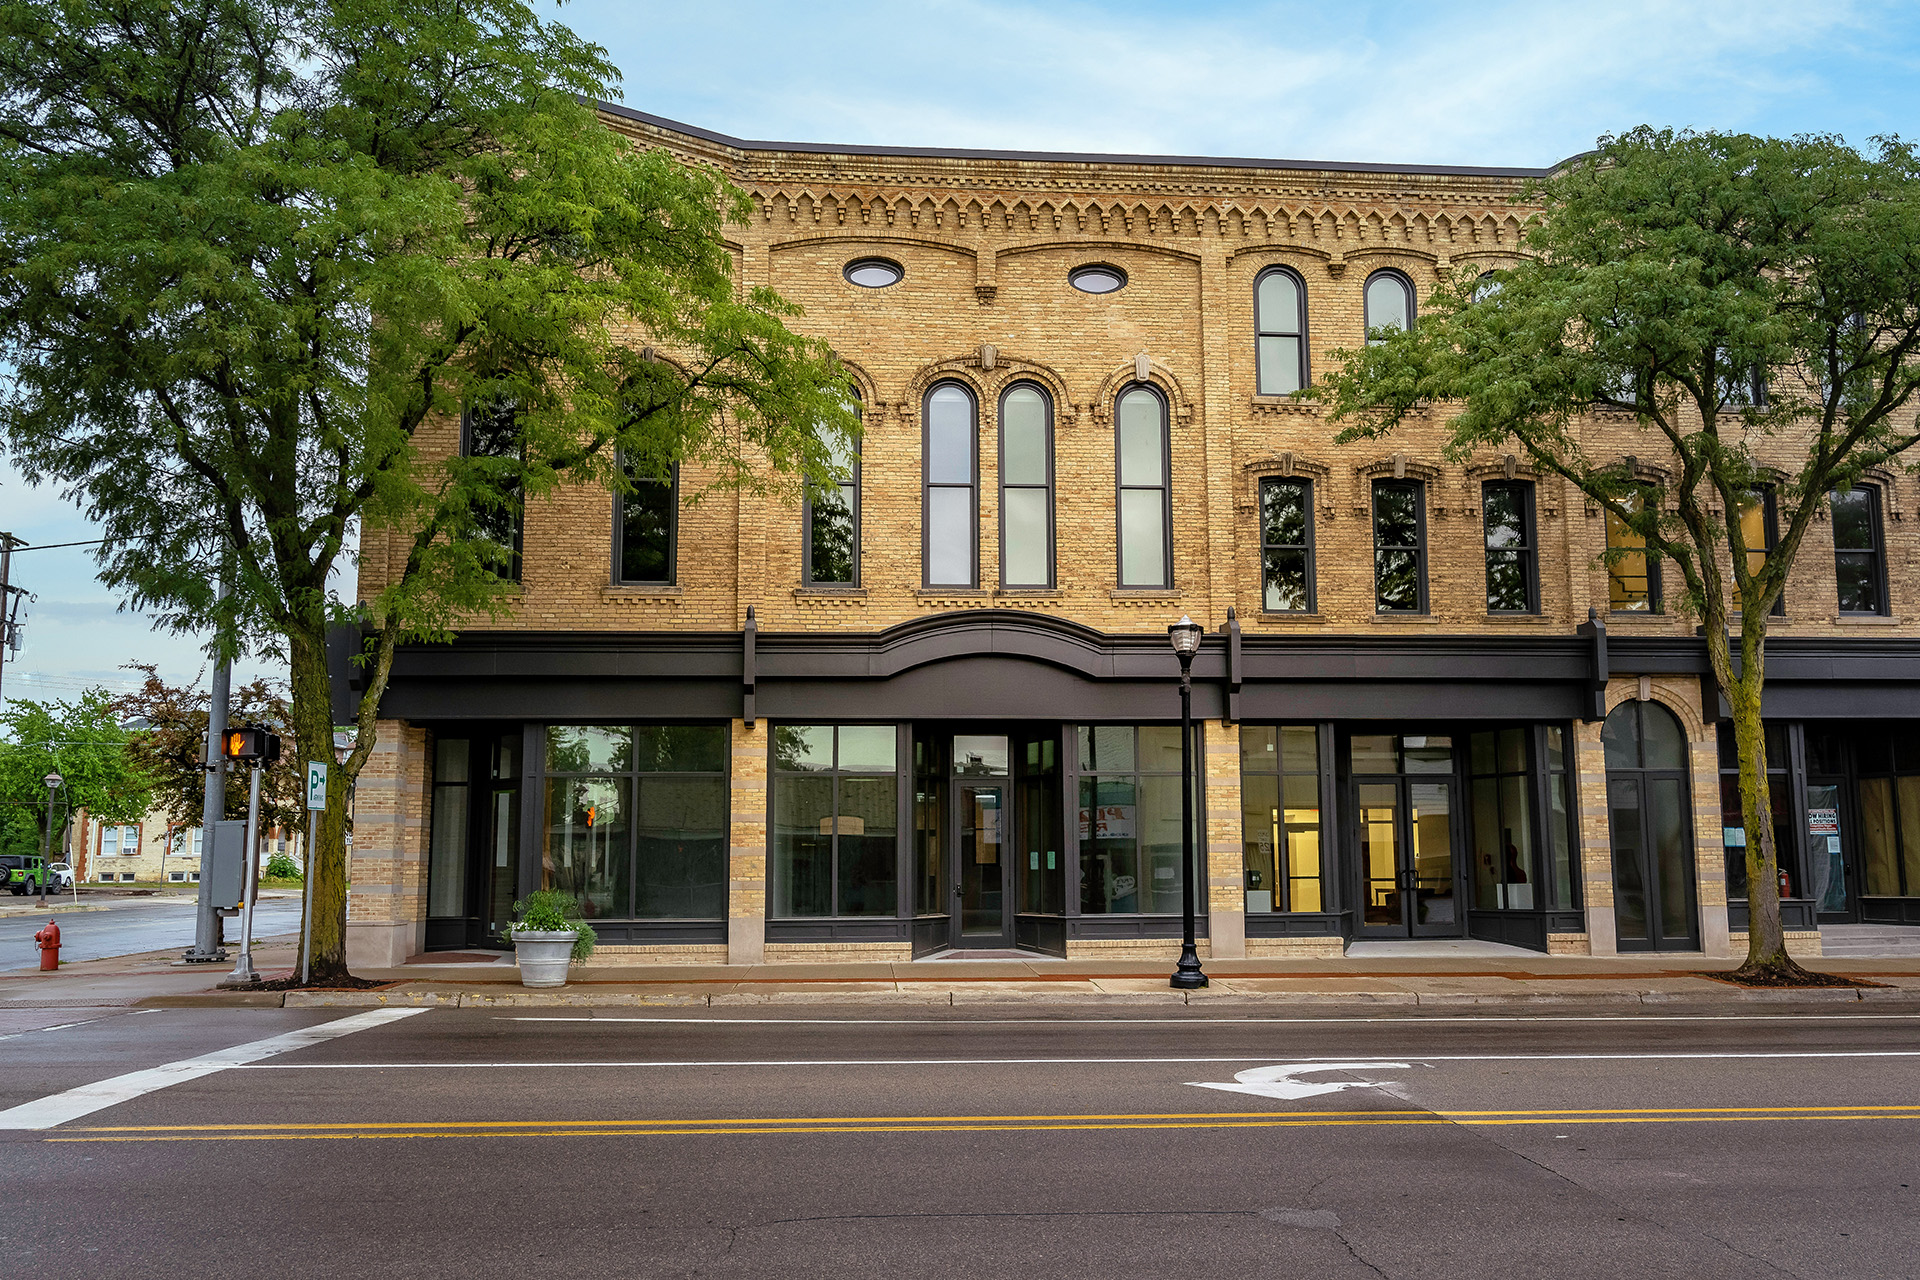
<point x="1184" y="635"/>
<point x="53" y="781"/>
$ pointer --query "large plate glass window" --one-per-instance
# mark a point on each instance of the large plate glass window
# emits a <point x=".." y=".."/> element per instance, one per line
<point x="836" y="823"/>
<point x="1513" y="577"/>
<point x="1129" y="819"/>
<point x="1399" y="547"/>
<point x="1286" y="545"/>
<point x="1280" y="817"/>
<point x="1506" y="875"/>
<point x="1280" y="317"/>
<point x="1026" y="487"/>
<point x="832" y="518"/>
<point x="951" y="548"/>
<point x="1140" y="437"/>
<point x="635" y="820"/>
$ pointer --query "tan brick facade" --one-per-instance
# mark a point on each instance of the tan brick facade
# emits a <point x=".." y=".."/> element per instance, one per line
<point x="986" y="244"/>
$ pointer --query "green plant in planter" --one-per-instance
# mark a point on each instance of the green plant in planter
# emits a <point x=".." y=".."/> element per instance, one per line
<point x="552" y="911"/>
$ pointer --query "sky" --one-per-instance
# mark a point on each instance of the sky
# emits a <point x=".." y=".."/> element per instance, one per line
<point x="1436" y="82"/>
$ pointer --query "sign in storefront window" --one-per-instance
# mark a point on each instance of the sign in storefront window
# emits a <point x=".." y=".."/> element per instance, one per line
<point x="1280" y="817"/>
<point x="1128" y="824"/>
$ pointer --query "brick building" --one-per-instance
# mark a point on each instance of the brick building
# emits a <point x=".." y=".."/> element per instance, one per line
<point x="937" y="707"/>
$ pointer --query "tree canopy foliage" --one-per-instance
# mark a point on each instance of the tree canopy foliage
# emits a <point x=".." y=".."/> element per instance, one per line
<point x="1693" y="320"/>
<point x="258" y="257"/>
<point x="168" y="727"/>
<point x="83" y="741"/>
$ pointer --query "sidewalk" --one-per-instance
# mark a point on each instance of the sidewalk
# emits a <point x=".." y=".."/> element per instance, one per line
<point x="1491" y="980"/>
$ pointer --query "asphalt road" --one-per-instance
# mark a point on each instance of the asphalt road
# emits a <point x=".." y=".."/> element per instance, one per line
<point x="129" y="927"/>
<point x="849" y="1143"/>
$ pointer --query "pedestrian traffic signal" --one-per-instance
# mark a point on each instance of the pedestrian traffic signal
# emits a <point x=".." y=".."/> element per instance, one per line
<point x="255" y="746"/>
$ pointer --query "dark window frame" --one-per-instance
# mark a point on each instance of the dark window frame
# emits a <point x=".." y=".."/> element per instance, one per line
<point x="1366" y="307"/>
<point x="1261" y="331"/>
<point x="927" y="486"/>
<point x="515" y="563"/>
<point x="1419" y="548"/>
<point x="806" y="519"/>
<point x="1529" y="550"/>
<point x="1876" y="521"/>
<point x="1165" y="487"/>
<point x="1770" y="520"/>
<point x="673" y="533"/>
<point x="1260" y="517"/>
<point x="1000" y="416"/>
<point x="903" y="818"/>
<point x="1656" y="601"/>
<point x="1283" y="887"/>
<point x="1073" y="774"/>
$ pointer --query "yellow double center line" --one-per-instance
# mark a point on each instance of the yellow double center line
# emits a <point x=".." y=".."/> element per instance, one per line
<point x="762" y="1125"/>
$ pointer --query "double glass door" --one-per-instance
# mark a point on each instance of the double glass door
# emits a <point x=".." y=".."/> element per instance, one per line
<point x="1408" y="883"/>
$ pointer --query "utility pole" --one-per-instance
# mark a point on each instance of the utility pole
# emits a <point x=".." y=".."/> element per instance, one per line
<point x="213" y="807"/>
<point x="7" y="543"/>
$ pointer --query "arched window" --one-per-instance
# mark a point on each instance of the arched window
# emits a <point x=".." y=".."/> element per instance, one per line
<point x="833" y="519"/>
<point x="950" y="529"/>
<point x="1026" y="487"/>
<point x="1389" y="301"/>
<point x="1650" y="822"/>
<point x="1140" y="447"/>
<point x="1280" y="319"/>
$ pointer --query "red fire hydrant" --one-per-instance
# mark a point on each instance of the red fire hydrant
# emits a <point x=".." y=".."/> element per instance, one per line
<point x="49" y="940"/>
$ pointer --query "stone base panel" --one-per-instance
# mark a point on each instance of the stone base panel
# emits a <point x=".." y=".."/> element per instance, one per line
<point x="804" y="952"/>
<point x="661" y="953"/>
<point x="1329" y="948"/>
<point x="1802" y="944"/>
<point x="1167" y="949"/>
<point x="1568" y="944"/>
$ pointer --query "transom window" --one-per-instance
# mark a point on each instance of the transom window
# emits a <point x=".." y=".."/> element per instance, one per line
<point x="1389" y="302"/>
<point x="1026" y="487"/>
<point x="1140" y="438"/>
<point x="874" y="273"/>
<point x="1286" y="545"/>
<point x="951" y="528"/>
<point x="1280" y="317"/>
<point x="1097" y="278"/>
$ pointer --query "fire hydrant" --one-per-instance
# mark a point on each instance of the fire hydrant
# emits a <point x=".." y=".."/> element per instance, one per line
<point x="49" y="940"/>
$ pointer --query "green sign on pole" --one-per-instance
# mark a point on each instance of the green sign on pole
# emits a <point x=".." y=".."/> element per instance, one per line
<point x="316" y="785"/>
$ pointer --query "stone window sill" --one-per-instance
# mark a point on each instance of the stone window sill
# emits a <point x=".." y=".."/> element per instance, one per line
<point x="1031" y="593"/>
<point x="1521" y="619"/>
<point x="1407" y="619"/>
<point x="641" y="591"/>
<point x="1290" y="616"/>
<point x="1143" y="593"/>
<point x="1866" y="620"/>
<point x="951" y="593"/>
<point x="828" y="591"/>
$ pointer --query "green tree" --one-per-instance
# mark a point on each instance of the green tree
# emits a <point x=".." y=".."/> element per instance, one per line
<point x="85" y="744"/>
<point x="1666" y="276"/>
<point x="168" y="726"/>
<point x="258" y="256"/>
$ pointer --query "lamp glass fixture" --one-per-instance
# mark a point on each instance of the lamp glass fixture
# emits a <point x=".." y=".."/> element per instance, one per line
<point x="1184" y="635"/>
<point x="52" y="780"/>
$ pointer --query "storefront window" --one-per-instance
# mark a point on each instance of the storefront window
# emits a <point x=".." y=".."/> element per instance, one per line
<point x="636" y="820"/>
<point x="1733" y="827"/>
<point x="447" y="847"/>
<point x="836" y="821"/>
<point x="1504" y="874"/>
<point x="1280" y="817"/>
<point x="1889" y="813"/>
<point x="1559" y="821"/>
<point x="1129" y="820"/>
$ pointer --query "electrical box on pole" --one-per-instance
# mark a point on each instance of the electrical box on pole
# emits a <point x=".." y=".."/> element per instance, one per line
<point x="224" y="866"/>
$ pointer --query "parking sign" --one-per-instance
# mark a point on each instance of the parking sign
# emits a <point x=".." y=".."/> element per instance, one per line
<point x="316" y="785"/>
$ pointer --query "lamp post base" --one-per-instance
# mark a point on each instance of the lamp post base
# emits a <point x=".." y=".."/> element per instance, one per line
<point x="1187" y="975"/>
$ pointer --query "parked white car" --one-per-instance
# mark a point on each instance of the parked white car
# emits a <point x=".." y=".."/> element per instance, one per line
<point x="62" y="875"/>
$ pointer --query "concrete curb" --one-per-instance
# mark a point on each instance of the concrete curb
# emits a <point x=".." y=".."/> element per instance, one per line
<point x="1456" y="1000"/>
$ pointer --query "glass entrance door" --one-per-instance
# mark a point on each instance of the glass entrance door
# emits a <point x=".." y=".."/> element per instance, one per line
<point x="982" y="871"/>
<point x="1826" y="865"/>
<point x="1406" y="858"/>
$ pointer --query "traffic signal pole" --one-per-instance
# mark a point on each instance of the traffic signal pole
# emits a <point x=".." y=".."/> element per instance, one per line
<point x="244" y="974"/>
<point x="213" y="807"/>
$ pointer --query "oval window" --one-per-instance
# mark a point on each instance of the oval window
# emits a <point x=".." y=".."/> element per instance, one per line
<point x="1098" y="278"/>
<point x="874" y="273"/>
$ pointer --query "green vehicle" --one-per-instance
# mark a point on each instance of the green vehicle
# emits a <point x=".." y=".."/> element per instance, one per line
<point x="24" y="873"/>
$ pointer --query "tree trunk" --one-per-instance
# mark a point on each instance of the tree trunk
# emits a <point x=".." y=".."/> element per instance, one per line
<point x="327" y="861"/>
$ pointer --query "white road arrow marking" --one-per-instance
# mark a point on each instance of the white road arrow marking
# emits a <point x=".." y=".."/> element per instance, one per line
<point x="1279" y="1082"/>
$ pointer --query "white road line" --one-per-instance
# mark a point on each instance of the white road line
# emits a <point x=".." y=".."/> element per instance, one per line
<point x="1030" y="1062"/>
<point x="1207" y="1022"/>
<point x="59" y="1108"/>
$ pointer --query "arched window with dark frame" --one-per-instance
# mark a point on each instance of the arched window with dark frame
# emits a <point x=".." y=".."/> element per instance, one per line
<point x="1144" y="495"/>
<point x="950" y="530"/>
<point x="646" y="526"/>
<point x="1280" y="323"/>
<point x="1389" y="302"/>
<point x="830" y="519"/>
<point x="1026" y="486"/>
<point x="492" y="430"/>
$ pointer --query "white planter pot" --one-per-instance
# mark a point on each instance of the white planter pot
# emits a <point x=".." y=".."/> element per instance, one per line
<point x="543" y="956"/>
